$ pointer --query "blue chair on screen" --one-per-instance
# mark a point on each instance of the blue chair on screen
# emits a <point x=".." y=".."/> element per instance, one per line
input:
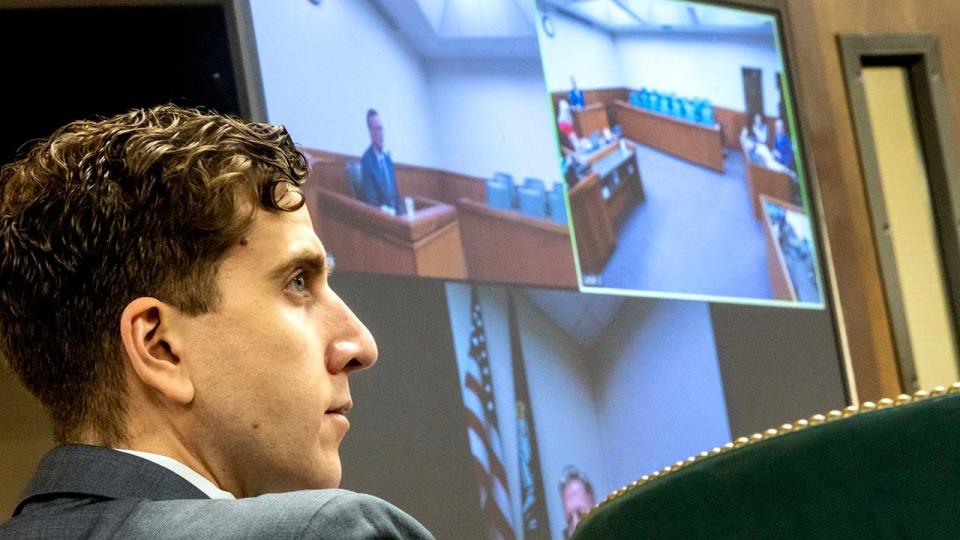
<point x="533" y="202"/>
<point x="673" y="105"/>
<point x="507" y="179"/>
<point x="534" y="183"/>
<point x="656" y="102"/>
<point x="498" y="195"/>
<point x="707" y="115"/>
<point x="644" y="98"/>
<point x="555" y="199"/>
<point x="692" y="110"/>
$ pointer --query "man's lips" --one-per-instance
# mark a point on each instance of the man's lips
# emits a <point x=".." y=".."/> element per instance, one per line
<point x="338" y="414"/>
<point x="342" y="408"/>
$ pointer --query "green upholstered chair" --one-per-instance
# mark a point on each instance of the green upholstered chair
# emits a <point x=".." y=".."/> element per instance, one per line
<point x="885" y="470"/>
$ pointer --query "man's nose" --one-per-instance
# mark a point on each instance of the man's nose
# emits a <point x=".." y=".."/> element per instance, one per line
<point x="354" y="348"/>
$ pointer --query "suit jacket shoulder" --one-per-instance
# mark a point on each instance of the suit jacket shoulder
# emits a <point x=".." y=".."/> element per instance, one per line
<point x="92" y="492"/>
<point x="317" y="514"/>
<point x="370" y="178"/>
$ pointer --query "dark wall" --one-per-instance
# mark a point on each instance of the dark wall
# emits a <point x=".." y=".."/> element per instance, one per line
<point x="63" y="64"/>
<point x="778" y="365"/>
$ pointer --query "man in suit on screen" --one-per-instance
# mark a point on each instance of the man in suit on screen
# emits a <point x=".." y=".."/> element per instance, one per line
<point x="165" y="297"/>
<point x="378" y="181"/>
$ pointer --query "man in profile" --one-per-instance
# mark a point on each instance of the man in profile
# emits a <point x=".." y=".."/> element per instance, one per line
<point x="165" y="297"/>
<point x="576" y="494"/>
<point x="378" y="182"/>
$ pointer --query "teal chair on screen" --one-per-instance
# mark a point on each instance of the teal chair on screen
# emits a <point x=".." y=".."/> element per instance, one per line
<point x="558" y="208"/>
<point x="708" y="118"/>
<point x="534" y="183"/>
<point x="533" y="202"/>
<point x="498" y="195"/>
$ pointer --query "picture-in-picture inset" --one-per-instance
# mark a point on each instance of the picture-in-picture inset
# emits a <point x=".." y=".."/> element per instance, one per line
<point x="567" y="397"/>
<point x="673" y="123"/>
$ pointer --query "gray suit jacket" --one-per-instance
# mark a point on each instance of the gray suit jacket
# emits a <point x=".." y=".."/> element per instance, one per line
<point x="93" y="492"/>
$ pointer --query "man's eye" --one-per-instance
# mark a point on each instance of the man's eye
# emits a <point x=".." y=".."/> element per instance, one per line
<point x="298" y="284"/>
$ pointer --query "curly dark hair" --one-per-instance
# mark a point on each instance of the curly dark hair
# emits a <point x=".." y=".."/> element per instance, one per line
<point x="140" y="204"/>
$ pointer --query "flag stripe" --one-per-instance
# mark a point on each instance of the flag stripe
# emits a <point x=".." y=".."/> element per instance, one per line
<point x="483" y="430"/>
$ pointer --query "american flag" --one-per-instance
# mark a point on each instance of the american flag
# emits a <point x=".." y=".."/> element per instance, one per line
<point x="483" y="430"/>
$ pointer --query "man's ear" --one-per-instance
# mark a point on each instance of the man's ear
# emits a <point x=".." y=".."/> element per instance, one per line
<point x="152" y="347"/>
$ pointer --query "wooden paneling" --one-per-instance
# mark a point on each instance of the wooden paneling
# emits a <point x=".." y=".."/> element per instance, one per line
<point x="491" y="245"/>
<point x="26" y="434"/>
<point x="826" y="115"/>
<point x="328" y="169"/>
<point x="507" y="246"/>
<point x="594" y="231"/>
<point x="590" y="119"/>
<point x="364" y="239"/>
<point x="731" y="122"/>
<point x="763" y="181"/>
<point x="596" y="219"/>
<point x="595" y="95"/>
<point x="693" y="142"/>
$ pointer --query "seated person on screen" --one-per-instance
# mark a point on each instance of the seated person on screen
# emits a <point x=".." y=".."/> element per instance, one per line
<point x="181" y="333"/>
<point x="575" y="95"/>
<point x="378" y="181"/>
<point x="565" y="124"/>
<point x="782" y="146"/>
<point x="759" y="153"/>
<point x="577" y="496"/>
<point x="759" y="129"/>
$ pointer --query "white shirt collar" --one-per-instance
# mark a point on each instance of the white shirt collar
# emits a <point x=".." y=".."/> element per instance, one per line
<point x="188" y="474"/>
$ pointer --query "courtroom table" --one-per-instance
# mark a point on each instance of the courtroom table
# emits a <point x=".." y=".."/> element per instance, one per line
<point x="600" y="200"/>
<point x="696" y="143"/>
<point x="363" y="238"/>
<point x="590" y="119"/>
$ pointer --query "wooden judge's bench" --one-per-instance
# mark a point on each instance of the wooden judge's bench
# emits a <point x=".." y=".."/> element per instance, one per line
<point x="452" y="233"/>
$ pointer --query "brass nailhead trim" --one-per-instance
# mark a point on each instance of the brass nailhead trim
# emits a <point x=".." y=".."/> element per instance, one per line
<point x="803" y="423"/>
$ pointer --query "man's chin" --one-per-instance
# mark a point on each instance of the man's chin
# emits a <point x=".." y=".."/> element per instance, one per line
<point x="328" y="474"/>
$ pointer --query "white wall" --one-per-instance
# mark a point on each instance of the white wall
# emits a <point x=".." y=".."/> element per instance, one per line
<point x="492" y="115"/>
<point x="564" y="415"/>
<point x="659" y="395"/>
<point x="584" y="51"/>
<point x="691" y="65"/>
<point x="701" y="66"/>
<point x="324" y="66"/>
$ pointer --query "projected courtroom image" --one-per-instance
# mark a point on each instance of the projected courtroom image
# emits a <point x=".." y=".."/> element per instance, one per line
<point x="672" y="125"/>
<point x="568" y="397"/>
<point x="427" y="135"/>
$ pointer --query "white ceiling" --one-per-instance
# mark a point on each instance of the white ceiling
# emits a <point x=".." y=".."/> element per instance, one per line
<point x="465" y="28"/>
<point x="584" y="317"/>
<point x="657" y="15"/>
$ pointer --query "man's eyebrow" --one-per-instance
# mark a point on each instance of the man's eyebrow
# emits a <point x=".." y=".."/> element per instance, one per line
<point x="308" y="260"/>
